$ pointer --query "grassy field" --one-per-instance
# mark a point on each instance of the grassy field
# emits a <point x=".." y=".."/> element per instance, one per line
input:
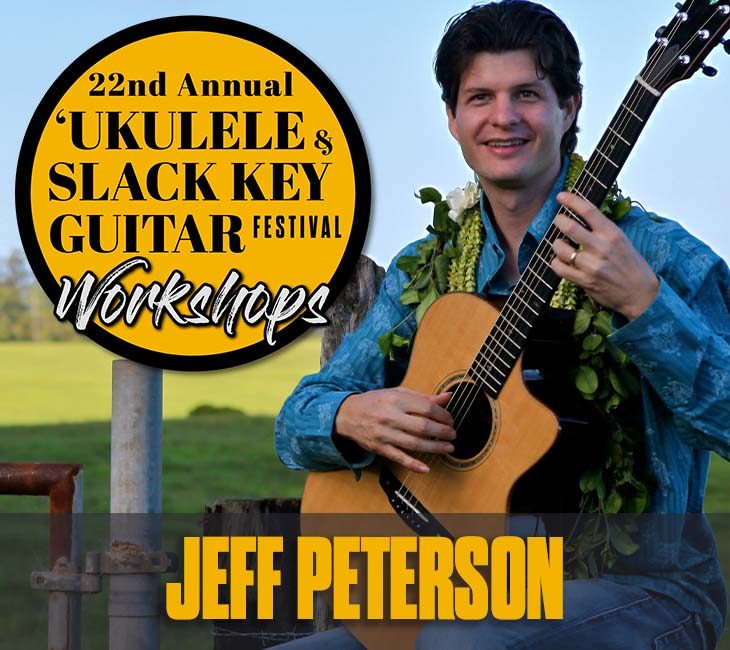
<point x="57" y="405"/>
<point x="49" y="383"/>
<point x="204" y="458"/>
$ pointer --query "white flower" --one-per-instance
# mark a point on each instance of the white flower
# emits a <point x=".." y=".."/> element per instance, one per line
<point x="460" y="199"/>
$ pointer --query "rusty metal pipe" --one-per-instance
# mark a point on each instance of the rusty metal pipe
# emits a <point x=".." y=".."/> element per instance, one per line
<point x="54" y="480"/>
<point x="63" y="484"/>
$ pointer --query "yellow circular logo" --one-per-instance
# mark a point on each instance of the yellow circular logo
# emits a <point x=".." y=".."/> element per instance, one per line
<point x="192" y="193"/>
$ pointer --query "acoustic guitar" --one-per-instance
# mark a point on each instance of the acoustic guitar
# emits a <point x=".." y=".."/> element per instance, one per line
<point x="468" y="347"/>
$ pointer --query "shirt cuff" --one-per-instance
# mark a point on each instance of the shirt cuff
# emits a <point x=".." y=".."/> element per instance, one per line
<point x="332" y="449"/>
<point x="666" y="343"/>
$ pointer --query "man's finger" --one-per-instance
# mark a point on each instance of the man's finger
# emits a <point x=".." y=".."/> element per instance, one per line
<point x="567" y="271"/>
<point x="429" y="406"/>
<point x="402" y="458"/>
<point x="584" y="209"/>
<point x="564" y="251"/>
<point x="442" y="399"/>
<point x="573" y="230"/>
<point x="426" y="428"/>
<point x="410" y="442"/>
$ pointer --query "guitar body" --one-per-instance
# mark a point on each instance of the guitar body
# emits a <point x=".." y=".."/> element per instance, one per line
<point x="503" y="439"/>
<point x="521" y="432"/>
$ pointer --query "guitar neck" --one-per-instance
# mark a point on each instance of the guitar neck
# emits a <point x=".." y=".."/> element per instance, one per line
<point x="533" y="292"/>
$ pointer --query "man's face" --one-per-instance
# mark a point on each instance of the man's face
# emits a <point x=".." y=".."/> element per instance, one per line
<point x="508" y="121"/>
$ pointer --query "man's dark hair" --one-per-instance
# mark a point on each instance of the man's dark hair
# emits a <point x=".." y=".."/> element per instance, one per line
<point x="505" y="26"/>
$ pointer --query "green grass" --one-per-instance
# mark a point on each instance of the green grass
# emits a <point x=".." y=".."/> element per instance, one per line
<point x="71" y="382"/>
<point x="204" y="459"/>
<point x="24" y="618"/>
<point x="717" y="497"/>
<point x="57" y="405"/>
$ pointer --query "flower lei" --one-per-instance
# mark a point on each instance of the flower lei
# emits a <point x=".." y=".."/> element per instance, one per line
<point x="447" y="262"/>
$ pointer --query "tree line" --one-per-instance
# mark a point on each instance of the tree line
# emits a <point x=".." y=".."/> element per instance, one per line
<point x="26" y="313"/>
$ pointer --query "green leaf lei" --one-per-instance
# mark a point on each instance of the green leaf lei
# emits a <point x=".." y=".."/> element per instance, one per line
<point x="447" y="262"/>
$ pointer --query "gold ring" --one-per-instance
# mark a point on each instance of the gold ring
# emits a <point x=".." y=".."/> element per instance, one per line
<point x="573" y="255"/>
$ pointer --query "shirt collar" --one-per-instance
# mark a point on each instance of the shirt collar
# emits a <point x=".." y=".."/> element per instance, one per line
<point x="542" y="220"/>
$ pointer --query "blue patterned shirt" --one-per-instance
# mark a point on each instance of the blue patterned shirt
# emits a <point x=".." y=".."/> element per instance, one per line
<point x="680" y="344"/>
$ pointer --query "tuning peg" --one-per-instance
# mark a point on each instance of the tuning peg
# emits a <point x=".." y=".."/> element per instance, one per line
<point x="678" y="5"/>
<point x="708" y="70"/>
<point x="726" y="44"/>
<point x="659" y="32"/>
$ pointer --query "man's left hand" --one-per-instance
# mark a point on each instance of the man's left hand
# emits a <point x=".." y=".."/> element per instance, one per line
<point x="606" y="266"/>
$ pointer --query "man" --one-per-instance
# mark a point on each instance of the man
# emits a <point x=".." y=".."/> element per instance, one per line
<point x="509" y="78"/>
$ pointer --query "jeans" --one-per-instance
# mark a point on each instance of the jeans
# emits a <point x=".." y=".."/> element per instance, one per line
<point x="598" y="615"/>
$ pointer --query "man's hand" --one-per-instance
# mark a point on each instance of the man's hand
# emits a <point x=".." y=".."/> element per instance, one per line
<point x="607" y="266"/>
<point x="393" y="421"/>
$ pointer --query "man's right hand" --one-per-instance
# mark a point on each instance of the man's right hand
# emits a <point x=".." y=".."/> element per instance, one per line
<point x="394" y="421"/>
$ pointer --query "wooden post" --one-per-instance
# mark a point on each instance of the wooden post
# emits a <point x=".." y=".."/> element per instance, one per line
<point x="260" y="517"/>
<point x="351" y="305"/>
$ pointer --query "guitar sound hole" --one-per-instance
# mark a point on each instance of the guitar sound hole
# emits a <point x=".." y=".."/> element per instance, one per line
<point x="472" y="413"/>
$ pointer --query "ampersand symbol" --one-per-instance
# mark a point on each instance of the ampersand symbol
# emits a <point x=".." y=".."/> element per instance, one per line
<point x="324" y="142"/>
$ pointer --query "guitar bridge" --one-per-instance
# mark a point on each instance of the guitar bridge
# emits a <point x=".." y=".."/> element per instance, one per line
<point x="407" y="506"/>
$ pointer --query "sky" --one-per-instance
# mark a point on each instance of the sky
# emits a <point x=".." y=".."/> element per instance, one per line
<point x="379" y="54"/>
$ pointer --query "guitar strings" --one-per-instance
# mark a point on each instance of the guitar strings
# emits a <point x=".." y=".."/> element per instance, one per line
<point x="462" y="401"/>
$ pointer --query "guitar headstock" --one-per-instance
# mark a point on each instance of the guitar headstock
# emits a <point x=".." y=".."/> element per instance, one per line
<point x="682" y="46"/>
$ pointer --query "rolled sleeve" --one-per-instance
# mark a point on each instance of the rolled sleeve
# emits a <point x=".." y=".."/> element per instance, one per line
<point x="311" y="444"/>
